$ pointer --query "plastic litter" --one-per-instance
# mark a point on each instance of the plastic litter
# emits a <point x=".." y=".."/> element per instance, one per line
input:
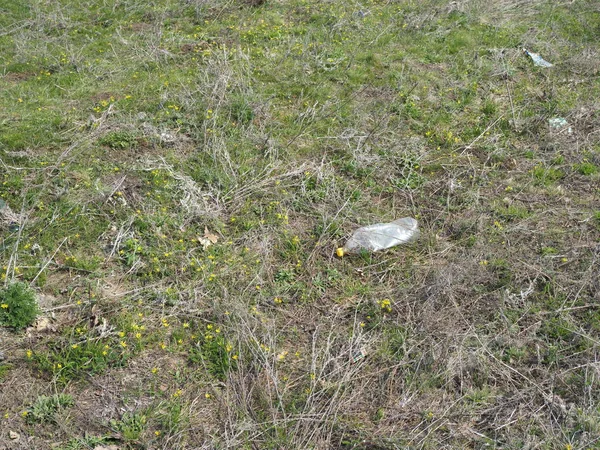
<point x="358" y="354"/>
<point x="537" y="59"/>
<point x="381" y="236"/>
<point x="559" y="123"/>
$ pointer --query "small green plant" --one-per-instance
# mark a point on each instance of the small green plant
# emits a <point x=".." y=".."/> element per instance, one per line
<point x="215" y="353"/>
<point x="131" y="425"/>
<point x="284" y="276"/>
<point x="18" y="307"/>
<point x="479" y="396"/>
<point x="82" y="443"/>
<point x="45" y="408"/>
<point x="513" y="212"/>
<point x="119" y="139"/>
<point x="241" y="111"/>
<point x="4" y="368"/>
<point x="586" y="168"/>
<point x="546" y="176"/>
<point x="171" y="415"/>
<point x="68" y="362"/>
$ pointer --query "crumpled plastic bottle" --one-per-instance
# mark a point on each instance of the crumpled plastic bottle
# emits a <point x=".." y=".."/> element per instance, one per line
<point x="537" y="59"/>
<point x="381" y="236"/>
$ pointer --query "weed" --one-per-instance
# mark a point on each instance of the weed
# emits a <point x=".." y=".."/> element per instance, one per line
<point x="131" y="425"/>
<point x="119" y="140"/>
<point x="4" y="369"/>
<point x="215" y="353"/>
<point x="45" y="408"/>
<point x="18" y="306"/>
<point x="68" y="361"/>
<point x="547" y="176"/>
<point x="587" y="168"/>
<point x="83" y="443"/>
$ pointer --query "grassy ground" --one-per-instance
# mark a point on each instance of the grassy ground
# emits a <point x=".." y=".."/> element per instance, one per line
<point x="181" y="173"/>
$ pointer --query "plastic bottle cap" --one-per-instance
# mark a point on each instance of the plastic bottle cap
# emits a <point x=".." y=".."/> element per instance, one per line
<point x="340" y="251"/>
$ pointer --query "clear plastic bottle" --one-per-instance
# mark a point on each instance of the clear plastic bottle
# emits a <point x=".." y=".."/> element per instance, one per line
<point x="381" y="236"/>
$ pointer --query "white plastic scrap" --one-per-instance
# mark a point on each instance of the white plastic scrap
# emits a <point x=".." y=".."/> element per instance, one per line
<point x="359" y="354"/>
<point x="537" y="59"/>
<point x="559" y="123"/>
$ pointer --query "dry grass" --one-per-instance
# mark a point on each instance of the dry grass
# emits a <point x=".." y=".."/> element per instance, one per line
<point x="182" y="172"/>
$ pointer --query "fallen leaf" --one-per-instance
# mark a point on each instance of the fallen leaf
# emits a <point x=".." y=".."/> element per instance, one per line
<point x="210" y="236"/>
<point x="13" y="435"/>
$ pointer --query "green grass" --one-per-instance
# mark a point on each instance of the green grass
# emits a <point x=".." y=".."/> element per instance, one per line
<point x="177" y="168"/>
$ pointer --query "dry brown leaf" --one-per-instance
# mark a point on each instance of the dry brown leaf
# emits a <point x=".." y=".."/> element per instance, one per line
<point x="210" y="236"/>
<point x="208" y="239"/>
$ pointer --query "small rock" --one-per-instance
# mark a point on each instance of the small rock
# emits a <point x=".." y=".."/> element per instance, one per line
<point x="14" y="436"/>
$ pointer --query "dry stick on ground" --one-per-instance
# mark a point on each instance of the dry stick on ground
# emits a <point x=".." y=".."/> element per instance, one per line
<point x="468" y="147"/>
<point x="118" y="184"/>
<point x="24" y="216"/>
<point x="12" y="262"/>
<point x="49" y="261"/>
